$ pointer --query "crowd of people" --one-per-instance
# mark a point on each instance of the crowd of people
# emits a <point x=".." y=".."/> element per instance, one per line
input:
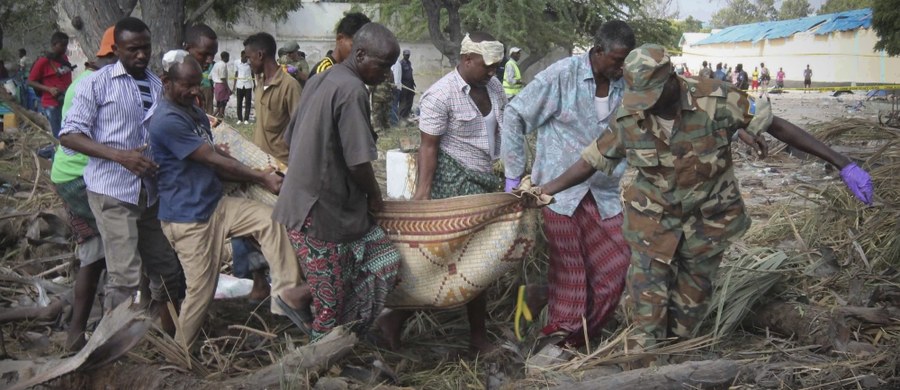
<point x="141" y="175"/>
<point x="758" y="80"/>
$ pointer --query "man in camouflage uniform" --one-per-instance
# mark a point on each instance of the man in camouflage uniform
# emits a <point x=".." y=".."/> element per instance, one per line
<point x="290" y="60"/>
<point x="684" y="207"/>
<point x="382" y="99"/>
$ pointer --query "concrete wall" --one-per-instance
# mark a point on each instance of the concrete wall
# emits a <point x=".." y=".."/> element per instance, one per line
<point x="842" y="57"/>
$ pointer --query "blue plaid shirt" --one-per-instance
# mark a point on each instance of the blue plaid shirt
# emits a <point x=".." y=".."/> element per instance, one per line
<point x="559" y="105"/>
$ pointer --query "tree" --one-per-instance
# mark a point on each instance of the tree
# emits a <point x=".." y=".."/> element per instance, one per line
<point x="886" y="23"/>
<point x="166" y="18"/>
<point x="832" y="6"/>
<point x="661" y="9"/>
<point x="537" y="26"/>
<point x="793" y="9"/>
<point x="26" y="17"/>
<point x="744" y="11"/>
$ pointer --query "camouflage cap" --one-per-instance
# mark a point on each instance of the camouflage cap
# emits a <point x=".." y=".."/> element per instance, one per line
<point x="647" y="69"/>
<point x="291" y="47"/>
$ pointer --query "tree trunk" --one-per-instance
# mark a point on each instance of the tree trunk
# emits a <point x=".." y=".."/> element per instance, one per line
<point x="829" y="328"/>
<point x="166" y="21"/>
<point x="448" y="44"/>
<point x="96" y="16"/>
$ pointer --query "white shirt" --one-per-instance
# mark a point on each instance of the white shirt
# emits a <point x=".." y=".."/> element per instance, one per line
<point x="398" y="73"/>
<point x="601" y="104"/>
<point x="220" y="72"/>
<point x="490" y="126"/>
<point x="244" y="76"/>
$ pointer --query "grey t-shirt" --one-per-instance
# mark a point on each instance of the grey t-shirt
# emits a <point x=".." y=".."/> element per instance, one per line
<point x="329" y="132"/>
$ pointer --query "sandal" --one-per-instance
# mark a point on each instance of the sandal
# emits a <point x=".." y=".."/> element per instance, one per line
<point x="301" y="318"/>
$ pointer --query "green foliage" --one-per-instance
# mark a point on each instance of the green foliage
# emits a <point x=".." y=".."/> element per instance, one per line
<point x="230" y="10"/>
<point x="743" y="12"/>
<point x="535" y="25"/>
<point x="21" y="17"/>
<point x="832" y="6"/>
<point x="793" y="9"/>
<point x="886" y="23"/>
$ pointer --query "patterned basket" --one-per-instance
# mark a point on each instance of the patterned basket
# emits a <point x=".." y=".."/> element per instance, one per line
<point x="451" y="249"/>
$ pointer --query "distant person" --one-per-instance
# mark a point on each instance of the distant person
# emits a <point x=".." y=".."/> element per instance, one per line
<point x="764" y="78"/>
<point x="779" y="78"/>
<point x="51" y="75"/>
<point x="221" y="90"/>
<point x="706" y="72"/>
<point x="720" y="74"/>
<point x="807" y="77"/>
<point x="512" y="78"/>
<point x="742" y="81"/>
<point x="276" y="96"/>
<point x="346" y="28"/>
<point x="23" y="61"/>
<point x="291" y="61"/>
<point x="687" y="71"/>
<point x="754" y="79"/>
<point x="243" y="87"/>
<point x="408" y="91"/>
<point x="202" y="43"/>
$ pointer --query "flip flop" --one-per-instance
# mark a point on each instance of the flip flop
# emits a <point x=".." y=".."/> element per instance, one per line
<point x="301" y="318"/>
<point x="522" y="310"/>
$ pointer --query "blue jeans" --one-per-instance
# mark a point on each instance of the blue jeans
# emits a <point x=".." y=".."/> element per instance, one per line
<point x="54" y="115"/>
<point x="246" y="257"/>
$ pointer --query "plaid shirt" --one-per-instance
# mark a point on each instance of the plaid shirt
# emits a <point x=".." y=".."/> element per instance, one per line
<point x="447" y="111"/>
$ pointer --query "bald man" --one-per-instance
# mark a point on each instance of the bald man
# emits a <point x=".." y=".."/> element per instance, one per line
<point x="196" y="217"/>
<point x="349" y="262"/>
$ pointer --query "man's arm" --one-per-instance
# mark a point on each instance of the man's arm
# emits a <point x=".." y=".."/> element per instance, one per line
<point x="364" y="176"/>
<point x="602" y="155"/>
<point x="233" y="170"/>
<point x="427" y="162"/>
<point x="793" y="135"/>
<point x="534" y="106"/>
<point x="35" y="78"/>
<point x="133" y="160"/>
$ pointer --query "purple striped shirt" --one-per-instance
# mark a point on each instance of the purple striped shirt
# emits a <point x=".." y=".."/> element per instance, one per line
<point x="108" y="109"/>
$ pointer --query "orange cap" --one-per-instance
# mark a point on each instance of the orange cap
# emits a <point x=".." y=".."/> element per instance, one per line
<point x="106" y="44"/>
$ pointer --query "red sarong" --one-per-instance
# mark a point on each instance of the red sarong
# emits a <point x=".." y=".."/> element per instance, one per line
<point x="589" y="258"/>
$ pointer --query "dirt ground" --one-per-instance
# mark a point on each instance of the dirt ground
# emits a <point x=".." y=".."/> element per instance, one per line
<point x="435" y="353"/>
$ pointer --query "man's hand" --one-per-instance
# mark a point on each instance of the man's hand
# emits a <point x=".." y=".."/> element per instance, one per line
<point x="511" y="184"/>
<point x="271" y="181"/>
<point x="758" y="143"/>
<point x="53" y="91"/>
<point x="859" y="182"/>
<point x="224" y="149"/>
<point x="135" y="161"/>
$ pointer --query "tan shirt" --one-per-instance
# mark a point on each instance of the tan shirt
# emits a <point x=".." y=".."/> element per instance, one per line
<point x="275" y="102"/>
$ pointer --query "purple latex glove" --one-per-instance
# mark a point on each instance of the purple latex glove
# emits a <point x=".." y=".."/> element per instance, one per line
<point x="291" y="69"/>
<point x="859" y="182"/>
<point x="511" y="184"/>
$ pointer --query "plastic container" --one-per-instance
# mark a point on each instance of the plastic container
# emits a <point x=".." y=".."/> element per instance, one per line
<point x="9" y="122"/>
<point x="401" y="174"/>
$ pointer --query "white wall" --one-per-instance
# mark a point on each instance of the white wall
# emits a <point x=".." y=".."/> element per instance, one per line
<point x="841" y="57"/>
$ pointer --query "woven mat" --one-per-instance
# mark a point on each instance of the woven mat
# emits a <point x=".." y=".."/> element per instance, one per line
<point x="451" y="249"/>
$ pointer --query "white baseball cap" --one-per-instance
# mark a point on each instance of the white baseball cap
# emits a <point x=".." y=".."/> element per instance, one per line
<point x="514" y="49"/>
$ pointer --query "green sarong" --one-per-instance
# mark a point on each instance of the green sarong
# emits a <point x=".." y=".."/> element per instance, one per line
<point x="452" y="179"/>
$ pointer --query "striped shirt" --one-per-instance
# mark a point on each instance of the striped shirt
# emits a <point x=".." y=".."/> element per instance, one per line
<point x="448" y="111"/>
<point x="109" y="108"/>
<point x="146" y="96"/>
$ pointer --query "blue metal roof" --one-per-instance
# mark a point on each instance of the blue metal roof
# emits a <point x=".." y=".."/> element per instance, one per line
<point x="819" y="25"/>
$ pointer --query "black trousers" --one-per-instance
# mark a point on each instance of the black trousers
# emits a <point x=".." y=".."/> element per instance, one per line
<point x="244" y="99"/>
<point x="406" y="101"/>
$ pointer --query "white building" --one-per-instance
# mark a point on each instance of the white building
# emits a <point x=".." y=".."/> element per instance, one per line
<point x="839" y="48"/>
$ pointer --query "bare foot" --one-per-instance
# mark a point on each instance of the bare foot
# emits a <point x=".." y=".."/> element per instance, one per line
<point x="391" y="325"/>
<point x="536" y="297"/>
<point x="481" y="346"/>
<point x="75" y="340"/>
<point x="297" y="298"/>
<point x="261" y="288"/>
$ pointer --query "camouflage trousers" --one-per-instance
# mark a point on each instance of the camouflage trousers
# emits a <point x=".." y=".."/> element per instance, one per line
<point x="670" y="300"/>
<point x="381" y="108"/>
